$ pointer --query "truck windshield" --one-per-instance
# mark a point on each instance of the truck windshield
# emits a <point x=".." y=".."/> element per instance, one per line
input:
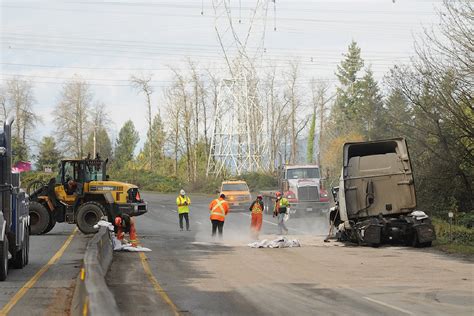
<point x="234" y="187"/>
<point x="302" y="173"/>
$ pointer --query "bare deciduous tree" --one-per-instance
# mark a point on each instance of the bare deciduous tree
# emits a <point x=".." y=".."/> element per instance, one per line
<point x="142" y="84"/>
<point x="71" y="115"/>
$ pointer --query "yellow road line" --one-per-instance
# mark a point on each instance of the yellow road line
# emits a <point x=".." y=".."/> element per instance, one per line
<point x="28" y="285"/>
<point x="156" y="285"/>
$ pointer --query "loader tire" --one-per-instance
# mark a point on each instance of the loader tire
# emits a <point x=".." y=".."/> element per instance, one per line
<point x="51" y="223"/>
<point x="39" y="218"/>
<point x="3" y="258"/>
<point x="88" y="215"/>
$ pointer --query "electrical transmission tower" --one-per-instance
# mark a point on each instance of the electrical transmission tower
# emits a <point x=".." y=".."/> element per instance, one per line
<point x="238" y="142"/>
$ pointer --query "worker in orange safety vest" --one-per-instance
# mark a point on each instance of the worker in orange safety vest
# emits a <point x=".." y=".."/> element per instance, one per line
<point x="257" y="209"/>
<point x="219" y="209"/>
<point x="126" y="224"/>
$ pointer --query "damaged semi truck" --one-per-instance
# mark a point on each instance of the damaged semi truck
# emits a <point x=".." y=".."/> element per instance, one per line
<point x="375" y="200"/>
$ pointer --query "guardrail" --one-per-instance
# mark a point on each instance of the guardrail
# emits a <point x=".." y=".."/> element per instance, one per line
<point x="92" y="295"/>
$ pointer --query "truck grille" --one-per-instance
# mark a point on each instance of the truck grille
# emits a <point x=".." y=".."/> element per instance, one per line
<point x="308" y="194"/>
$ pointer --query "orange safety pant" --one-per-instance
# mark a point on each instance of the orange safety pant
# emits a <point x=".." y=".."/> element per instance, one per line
<point x="256" y="223"/>
<point x="132" y="233"/>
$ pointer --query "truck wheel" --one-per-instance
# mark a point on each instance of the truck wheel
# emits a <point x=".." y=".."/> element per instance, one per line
<point x="3" y="258"/>
<point x="39" y="218"/>
<point x="51" y="223"/>
<point x="88" y="215"/>
<point x="27" y="248"/>
<point x="19" y="257"/>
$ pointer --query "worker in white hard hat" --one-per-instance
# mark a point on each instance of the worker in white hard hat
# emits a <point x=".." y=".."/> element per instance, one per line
<point x="183" y="201"/>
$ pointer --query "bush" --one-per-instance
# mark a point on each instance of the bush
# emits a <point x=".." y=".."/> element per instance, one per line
<point x="260" y="181"/>
<point x="147" y="180"/>
<point x="29" y="177"/>
<point x="460" y="234"/>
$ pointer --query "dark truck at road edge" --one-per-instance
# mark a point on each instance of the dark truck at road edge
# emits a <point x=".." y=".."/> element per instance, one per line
<point x="14" y="218"/>
<point x="375" y="200"/>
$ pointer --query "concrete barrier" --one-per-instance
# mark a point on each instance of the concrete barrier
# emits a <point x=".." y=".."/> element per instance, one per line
<point x="91" y="295"/>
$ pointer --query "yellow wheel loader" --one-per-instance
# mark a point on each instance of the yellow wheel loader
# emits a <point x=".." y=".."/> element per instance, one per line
<point x="81" y="194"/>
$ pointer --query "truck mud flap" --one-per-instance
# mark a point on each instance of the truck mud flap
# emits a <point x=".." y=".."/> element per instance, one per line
<point x="372" y="234"/>
<point x="425" y="232"/>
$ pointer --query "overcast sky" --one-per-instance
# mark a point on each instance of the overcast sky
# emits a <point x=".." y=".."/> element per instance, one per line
<point x="105" y="42"/>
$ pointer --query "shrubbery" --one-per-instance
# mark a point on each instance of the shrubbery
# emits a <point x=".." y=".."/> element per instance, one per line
<point x="147" y="180"/>
<point x="460" y="234"/>
<point x="29" y="177"/>
<point x="260" y="181"/>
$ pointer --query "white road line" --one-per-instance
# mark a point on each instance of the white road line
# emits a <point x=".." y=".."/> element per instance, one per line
<point x="174" y="211"/>
<point x="199" y="223"/>
<point x="389" y="306"/>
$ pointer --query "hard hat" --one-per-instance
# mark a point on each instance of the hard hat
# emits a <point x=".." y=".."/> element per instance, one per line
<point x="182" y="192"/>
<point x="259" y="197"/>
<point x="222" y="196"/>
<point x="118" y="221"/>
<point x="278" y="194"/>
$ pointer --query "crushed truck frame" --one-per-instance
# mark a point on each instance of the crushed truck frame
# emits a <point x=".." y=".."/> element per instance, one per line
<point x="376" y="200"/>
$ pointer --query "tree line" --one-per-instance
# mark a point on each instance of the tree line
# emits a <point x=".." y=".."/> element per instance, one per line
<point x="428" y="101"/>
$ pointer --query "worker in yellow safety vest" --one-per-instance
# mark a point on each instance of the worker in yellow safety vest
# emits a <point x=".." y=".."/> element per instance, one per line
<point x="183" y="201"/>
<point x="219" y="209"/>
<point x="282" y="207"/>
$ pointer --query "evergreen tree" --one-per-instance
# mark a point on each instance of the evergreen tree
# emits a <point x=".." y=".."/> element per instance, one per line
<point x="103" y="143"/>
<point x="370" y="111"/>
<point x="348" y="92"/>
<point x="399" y="116"/>
<point x="157" y="137"/>
<point x="311" y="137"/>
<point x="48" y="155"/>
<point x="20" y="150"/>
<point x="125" y="146"/>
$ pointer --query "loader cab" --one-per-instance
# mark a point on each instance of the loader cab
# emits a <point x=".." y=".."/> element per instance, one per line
<point x="81" y="171"/>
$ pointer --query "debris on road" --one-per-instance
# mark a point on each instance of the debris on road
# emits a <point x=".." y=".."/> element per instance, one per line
<point x="282" y="242"/>
<point x="119" y="246"/>
<point x="105" y="224"/>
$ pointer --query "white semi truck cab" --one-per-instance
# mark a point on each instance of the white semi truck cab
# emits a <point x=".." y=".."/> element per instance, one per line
<point x="302" y="186"/>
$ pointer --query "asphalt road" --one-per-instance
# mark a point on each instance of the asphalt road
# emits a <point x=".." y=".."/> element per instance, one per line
<point x="188" y="272"/>
<point x="51" y="275"/>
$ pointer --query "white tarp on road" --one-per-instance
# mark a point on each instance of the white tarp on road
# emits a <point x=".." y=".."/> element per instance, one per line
<point x="118" y="245"/>
<point x="281" y="242"/>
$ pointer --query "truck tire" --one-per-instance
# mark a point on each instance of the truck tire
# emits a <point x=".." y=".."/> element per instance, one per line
<point x="27" y="248"/>
<point x="88" y="215"/>
<point x="417" y="244"/>
<point x="19" y="257"/>
<point x="3" y="258"/>
<point x="51" y="223"/>
<point x="39" y="218"/>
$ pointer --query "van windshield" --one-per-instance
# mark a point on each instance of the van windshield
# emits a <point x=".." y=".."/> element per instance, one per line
<point x="234" y="187"/>
<point x="302" y="173"/>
